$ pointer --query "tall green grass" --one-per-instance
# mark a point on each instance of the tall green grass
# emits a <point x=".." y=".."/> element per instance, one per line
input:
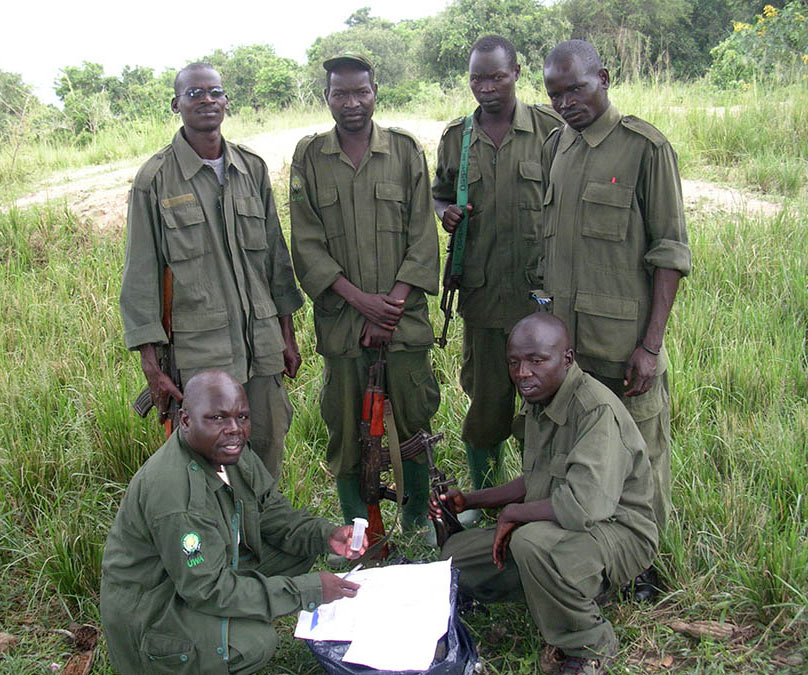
<point x="736" y="548"/>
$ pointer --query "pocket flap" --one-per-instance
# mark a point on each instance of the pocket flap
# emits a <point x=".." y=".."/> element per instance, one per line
<point x="194" y="322"/>
<point x="326" y="196"/>
<point x="530" y="170"/>
<point x="390" y="191"/>
<point x="609" y="306"/>
<point x="264" y="310"/>
<point x="183" y="216"/>
<point x="249" y="206"/>
<point x="558" y="466"/>
<point x="548" y="196"/>
<point x="611" y="194"/>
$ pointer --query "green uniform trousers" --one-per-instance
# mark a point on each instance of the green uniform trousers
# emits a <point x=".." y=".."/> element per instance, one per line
<point x="271" y="416"/>
<point x="414" y="396"/>
<point x="485" y="379"/>
<point x="558" y="573"/>
<point x="651" y="412"/>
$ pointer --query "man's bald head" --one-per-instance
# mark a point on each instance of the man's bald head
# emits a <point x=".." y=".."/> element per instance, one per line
<point x="179" y="80"/>
<point x="539" y="356"/>
<point x="565" y="52"/>
<point x="215" y="417"/>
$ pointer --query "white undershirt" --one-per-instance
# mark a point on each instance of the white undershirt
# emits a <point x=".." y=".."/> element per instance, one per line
<point x="218" y="166"/>
<point x="221" y="473"/>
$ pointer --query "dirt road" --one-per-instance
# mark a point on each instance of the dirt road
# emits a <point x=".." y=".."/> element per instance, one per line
<point x="98" y="193"/>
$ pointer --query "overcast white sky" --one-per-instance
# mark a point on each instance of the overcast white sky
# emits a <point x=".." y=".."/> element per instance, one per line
<point x="41" y="37"/>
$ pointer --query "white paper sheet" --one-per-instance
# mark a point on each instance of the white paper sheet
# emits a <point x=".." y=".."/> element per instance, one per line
<point x="395" y="620"/>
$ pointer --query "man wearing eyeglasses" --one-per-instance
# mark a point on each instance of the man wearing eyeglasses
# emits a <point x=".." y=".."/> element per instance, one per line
<point x="203" y="208"/>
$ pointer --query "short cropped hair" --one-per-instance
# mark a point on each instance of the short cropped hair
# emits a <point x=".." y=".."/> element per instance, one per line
<point x="489" y="43"/>
<point x="197" y="65"/>
<point x="584" y="51"/>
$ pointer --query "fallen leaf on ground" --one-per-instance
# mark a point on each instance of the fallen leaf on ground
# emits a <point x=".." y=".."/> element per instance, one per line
<point x="550" y="659"/>
<point x="791" y="660"/>
<point x="7" y="641"/>
<point x="699" y="629"/>
<point x="79" y="664"/>
<point x="652" y="661"/>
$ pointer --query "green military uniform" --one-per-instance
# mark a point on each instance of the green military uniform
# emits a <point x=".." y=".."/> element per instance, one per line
<point x="195" y="570"/>
<point x="584" y="452"/>
<point x="232" y="276"/>
<point x="614" y="213"/>
<point x="502" y="249"/>
<point x="373" y="225"/>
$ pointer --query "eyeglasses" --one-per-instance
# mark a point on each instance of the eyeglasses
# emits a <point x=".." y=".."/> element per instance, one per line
<point x="199" y="92"/>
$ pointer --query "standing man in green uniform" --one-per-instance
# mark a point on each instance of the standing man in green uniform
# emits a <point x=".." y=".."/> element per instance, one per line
<point x="615" y="246"/>
<point x="203" y="208"/>
<point x="365" y="249"/>
<point x="504" y="238"/>
<point x="205" y="551"/>
<point x="578" y="520"/>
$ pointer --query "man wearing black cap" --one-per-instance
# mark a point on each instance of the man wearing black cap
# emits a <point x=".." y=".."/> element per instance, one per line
<point x="365" y="249"/>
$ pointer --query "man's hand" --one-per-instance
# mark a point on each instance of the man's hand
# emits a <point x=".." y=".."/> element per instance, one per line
<point x="340" y="542"/>
<point x="452" y="216"/>
<point x="160" y="385"/>
<point x="506" y="524"/>
<point x="291" y="352"/>
<point x="380" y="309"/>
<point x="453" y="499"/>
<point x="640" y="372"/>
<point x="374" y="336"/>
<point x="335" y="587"/>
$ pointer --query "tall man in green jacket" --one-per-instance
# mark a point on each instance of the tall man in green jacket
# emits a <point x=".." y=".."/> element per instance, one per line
<point x="205" y="551"/>
<point x="615" y="246"/>
<point x="578" y="520"/>
<point x="365" y="249"/>
<point x="504" y="238"/>
<point x="203" y="208"/>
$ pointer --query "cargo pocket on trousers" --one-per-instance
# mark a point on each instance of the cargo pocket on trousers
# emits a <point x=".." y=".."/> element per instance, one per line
<point x="606" y="326"/>
<point x="202" y="339"/>
<point x="165" y="653"/>
<point x="426" y="393"/>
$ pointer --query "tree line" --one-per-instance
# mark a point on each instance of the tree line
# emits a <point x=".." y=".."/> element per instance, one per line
<point x="732" y="42"/>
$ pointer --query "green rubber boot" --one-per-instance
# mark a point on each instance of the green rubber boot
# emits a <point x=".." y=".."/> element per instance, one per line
<point x="349" y="499"/>
<point x="484" y="465"/>
<point x="416" y="485"/>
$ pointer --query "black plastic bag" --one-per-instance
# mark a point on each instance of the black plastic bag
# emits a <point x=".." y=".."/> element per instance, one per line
<point x="459" y="654"/>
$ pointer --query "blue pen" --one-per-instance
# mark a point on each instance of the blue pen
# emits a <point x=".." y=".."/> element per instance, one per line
<point x="315" y="616"/>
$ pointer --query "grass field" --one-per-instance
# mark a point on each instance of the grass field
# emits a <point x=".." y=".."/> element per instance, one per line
<point x="736" y="549"/>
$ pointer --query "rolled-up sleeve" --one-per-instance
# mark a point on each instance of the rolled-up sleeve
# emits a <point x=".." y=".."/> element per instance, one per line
<point x="595" y="471"/>
<point x="660" y="195"/>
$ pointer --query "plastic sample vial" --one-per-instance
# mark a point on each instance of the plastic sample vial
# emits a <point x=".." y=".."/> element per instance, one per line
<point x="359" y="525"/>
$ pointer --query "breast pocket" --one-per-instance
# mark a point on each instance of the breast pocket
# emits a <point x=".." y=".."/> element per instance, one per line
<point x="606" y="210"/>
<point x="606" y="326"/>
<point x="530" y="200"/>
<point x="391" y="236"/>
<point x="475" y="253"/>
<point x="549" y="224"/>
<point x="185" y="232"/>
<point x="390" y="207"/>
<point x="330" y="213"/>
<point x="251" y="223"/>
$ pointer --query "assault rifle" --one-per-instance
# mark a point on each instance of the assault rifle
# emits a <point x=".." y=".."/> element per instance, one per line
<point x="455" y="252"/>
<point x="448" y="523"/>
<point x="165" y="356"/>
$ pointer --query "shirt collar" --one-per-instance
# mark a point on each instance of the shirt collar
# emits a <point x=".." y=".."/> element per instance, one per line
<point x="595" y="133"/>
<point x="557" y="409"/>
<point x="379" y="141"/>
<point x="521" y="120"/>
<point x="190" y="162"/>
<point x="238" y="473"/>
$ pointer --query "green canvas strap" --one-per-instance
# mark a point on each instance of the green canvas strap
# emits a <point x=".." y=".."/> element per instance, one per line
<point x="459" y="247"/>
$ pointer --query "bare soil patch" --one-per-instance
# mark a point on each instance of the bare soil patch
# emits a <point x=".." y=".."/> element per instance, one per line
<point x="98" y="194"/>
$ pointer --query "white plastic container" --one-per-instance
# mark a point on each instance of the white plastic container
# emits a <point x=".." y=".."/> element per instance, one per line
<point x="359" y="525"/>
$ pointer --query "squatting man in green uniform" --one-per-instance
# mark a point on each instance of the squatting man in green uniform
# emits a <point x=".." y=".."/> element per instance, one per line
<point x="578" y="520"/>
<point x="204" y="208"/>
<point x="205" y="551"/>
<point x="615" y="248"/>
<point x="365" y="249"/>
<point x="504" y="239"/>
